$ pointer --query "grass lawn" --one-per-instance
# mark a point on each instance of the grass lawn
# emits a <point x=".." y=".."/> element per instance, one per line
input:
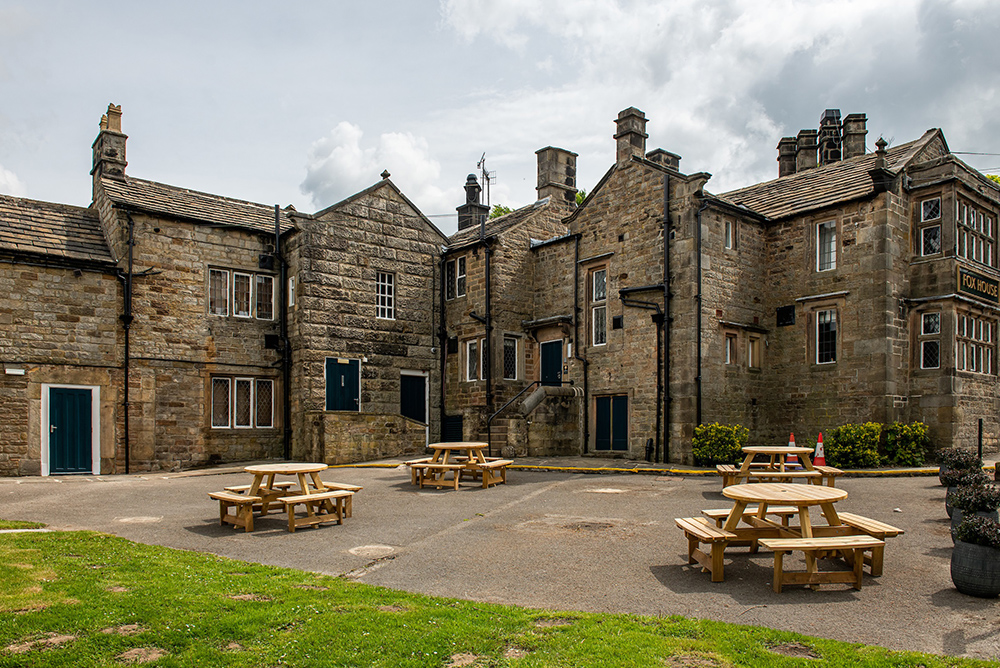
<point x="9" y="524"/>
<point x="88" y="599"/>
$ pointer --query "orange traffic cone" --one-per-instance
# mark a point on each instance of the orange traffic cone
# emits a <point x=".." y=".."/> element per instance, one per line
<point x="819" y="458"/>
<point x="791" y="460"/>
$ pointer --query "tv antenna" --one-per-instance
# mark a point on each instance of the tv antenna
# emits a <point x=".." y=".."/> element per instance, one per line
<point x="488" y="178"/>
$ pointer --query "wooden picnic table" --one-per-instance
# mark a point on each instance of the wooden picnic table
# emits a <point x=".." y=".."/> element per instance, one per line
<point x="458" y="458"/>
<point x="777" y="468"/>
<point x="269" y="493"/>
<point x="801" y="496"/>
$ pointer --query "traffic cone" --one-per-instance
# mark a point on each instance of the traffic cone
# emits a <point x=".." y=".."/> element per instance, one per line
<point x="791" y="460"/>
<point x="819" y="458"/>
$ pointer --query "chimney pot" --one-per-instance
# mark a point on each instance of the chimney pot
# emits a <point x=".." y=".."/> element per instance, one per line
<point x="472" y="212"/>
<point x="786" y="156"/>
<point x="631" y="134"/>
<point x="805" y="150"/>
<point x="556" y="175"/>
<point x="855" y="131"/>
<point x="829" y="137"/>
<point x="109" y="147"/>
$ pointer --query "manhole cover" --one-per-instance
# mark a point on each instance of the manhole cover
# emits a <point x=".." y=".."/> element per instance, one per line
<point x="372" y="551"/>
<point x="588" y="526"/>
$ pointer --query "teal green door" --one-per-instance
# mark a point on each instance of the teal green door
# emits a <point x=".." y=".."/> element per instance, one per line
<point x="342" y="384"/>
<point x="70" y="430"/>
<point x="611" y="423"/>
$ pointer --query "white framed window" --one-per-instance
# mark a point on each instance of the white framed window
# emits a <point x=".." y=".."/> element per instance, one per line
<point x="930" y="354"/>
<point x="599" y="317"/>
<point x="385" y="300"/>
<point x="264" y="306"/>
<point x="930" y="323"/>
<point x="242" y="403"/>
<point x="291" y="291"/>
<point x="264" y="403"/>
<point x="472" y="360"/>
<point x="730" y="241"/>
<point x="930" y="240"/>
<point x="826" y="246"/>
<point x="510" y="358"/>
<point x="598" y="307"/>
<point x="454" y="277"/>
<point x="974" y="344"/>
<point x="241" y="294"/>
<point x="930" y="209"/>
<point x="251" y="295"/>
<point x="730" y="348"/>
<point x="753" y="352"/>
<point x="221" y="402"/>
<point x="974" y="234"/>
<point x="826" y="337"/>
<point x="218" y="292"/>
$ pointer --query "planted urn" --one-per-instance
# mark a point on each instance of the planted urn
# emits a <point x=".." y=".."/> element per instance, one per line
<point x="975" y="561"/>
<point x="956" y="459"/>
<point x="955" y="478"/>
<point x="983" y="499"/>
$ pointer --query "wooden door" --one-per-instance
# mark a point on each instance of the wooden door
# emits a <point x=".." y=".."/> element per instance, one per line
<point x="70" y="430"/>
<point x="413" y="397"/>
<point x="552" y="363"/>
<point x="611" y="423"/>
<point x="343" y="382"/>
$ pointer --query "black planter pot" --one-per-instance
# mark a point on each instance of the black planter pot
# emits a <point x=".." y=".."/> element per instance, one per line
<point x="941" y="471"/>
<point x="947" y="506"/>
<point x="975" y="569"/>
<point x="956" y="519"/>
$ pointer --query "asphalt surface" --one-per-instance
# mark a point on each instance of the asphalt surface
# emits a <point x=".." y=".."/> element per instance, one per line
<point x="555" y="540"/>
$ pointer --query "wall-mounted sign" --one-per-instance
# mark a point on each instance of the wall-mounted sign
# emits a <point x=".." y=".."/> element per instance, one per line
<point x="977" y="285"/>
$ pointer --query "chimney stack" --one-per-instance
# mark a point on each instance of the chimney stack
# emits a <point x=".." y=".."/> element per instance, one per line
<point x="631" y="134"/>
<point x="786" y="156"/>
<point x="557" y="175"/>
<point x="472" y="212"/>
<point x="805" y="150"/>
<point x="855" y="130"/>
<point x="829" y="137"/>
<point x="109" y="147"/>
<point x="663" y="157"/>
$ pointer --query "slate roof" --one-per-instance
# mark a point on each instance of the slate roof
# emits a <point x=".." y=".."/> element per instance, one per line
<point x="192" y="205"/>
<point x="46" y="228"/>
<point x="822" y="186"/>
<point x="495" y="225"/>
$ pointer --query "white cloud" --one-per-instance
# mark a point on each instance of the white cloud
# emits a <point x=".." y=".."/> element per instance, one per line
<point x="341" y="164"/>
<point x="10" y="184"/>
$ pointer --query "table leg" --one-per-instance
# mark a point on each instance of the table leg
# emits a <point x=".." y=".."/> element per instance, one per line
<point x="319" y="487"/>
<point x="745" y="468"/>
<point x="830" y="513"/>
<point x="735" y="516"/>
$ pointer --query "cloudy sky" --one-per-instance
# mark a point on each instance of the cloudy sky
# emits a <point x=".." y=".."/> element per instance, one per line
<point x="306" y="103"/>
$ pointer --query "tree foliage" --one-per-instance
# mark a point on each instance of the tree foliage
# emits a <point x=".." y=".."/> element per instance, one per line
<point x="499" y="210"/>
<point x="993" y="177"/>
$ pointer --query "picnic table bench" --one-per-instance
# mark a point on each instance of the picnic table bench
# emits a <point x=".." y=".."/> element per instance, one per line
<point x="814" y="547"/>
<point x="242" y="505"/>
<point x="321" y="507"/>
<point x="732" y="474"/>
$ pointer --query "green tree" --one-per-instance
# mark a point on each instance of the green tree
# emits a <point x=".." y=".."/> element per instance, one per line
<point x="499" y="210"/>
<point x="993" y="177"/>
<point x="580" y="196"/>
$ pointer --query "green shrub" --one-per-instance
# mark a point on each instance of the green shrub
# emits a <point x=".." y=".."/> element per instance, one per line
<point x="963" y="477"/>
<point x="975" y="498"/>
<point x="906" y="444"/>
<point x="854" y="446"/>
<point x="719" y="443"/>
<point x="978" y="530"/>
<point x="958" y="458"/>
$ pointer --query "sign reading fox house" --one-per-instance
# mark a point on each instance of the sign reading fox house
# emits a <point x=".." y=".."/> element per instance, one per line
<point x="977" y="285"/>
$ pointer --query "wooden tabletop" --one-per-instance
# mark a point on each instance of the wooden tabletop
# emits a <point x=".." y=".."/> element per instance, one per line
<point x="780" y="494"/>
<point x="460" y="445"/>
<point x="777" y="450"/>
<point x="287" y="468"/>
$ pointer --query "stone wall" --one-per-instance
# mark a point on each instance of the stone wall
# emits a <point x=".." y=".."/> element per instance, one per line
<point x="59" y="328"/>
<point x="337" y="437"/>
<point x="335" y="259"/>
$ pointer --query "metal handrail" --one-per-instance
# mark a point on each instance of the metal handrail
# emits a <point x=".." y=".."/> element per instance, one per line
<point x="489" y="420"/>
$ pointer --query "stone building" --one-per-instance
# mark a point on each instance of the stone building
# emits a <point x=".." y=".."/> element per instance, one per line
<point x="211" y="308"/>
<point x="166" y="328"/>
<point x="855" y="287"/>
